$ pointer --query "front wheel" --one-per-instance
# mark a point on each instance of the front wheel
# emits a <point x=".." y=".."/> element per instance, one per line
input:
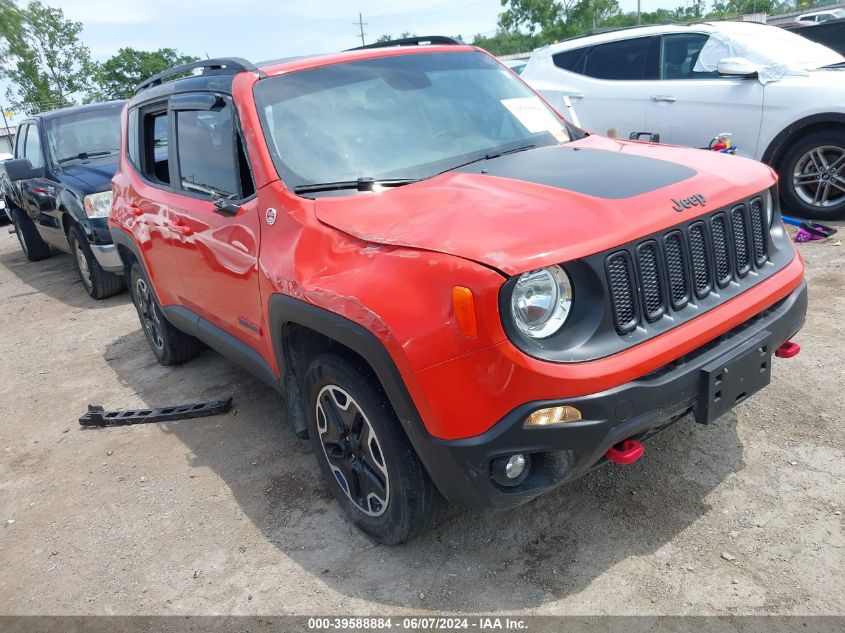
<point x="812" y="176"/>
<point x="97" y="282"/>
<point x="367" y="460"/>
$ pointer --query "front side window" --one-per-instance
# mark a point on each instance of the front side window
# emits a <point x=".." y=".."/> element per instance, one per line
<point x="20" y="140"/>
<point x="32" y="149"/>
<point x="678" y="54"/>
<point x="622" y="60"/>
<point x="407" y="116"/>
<point x="207" y="153"/>
<point x="84" y="135"/>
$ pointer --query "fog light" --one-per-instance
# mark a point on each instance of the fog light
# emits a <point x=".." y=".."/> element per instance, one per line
<point x="553" y="416"/>
<point x="515" y="466"/>
<point x="510" y="470"/>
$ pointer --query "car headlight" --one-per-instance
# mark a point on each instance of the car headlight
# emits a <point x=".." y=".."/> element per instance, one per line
<point x="98" y="205"/>
<point x="768" y="206"/>
<point x="541" y="301"/>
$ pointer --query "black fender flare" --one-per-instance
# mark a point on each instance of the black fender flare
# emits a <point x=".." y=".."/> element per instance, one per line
<point x="72" y="206"/>
<point x="776" y="148"/>
<point x="284" y="309"/>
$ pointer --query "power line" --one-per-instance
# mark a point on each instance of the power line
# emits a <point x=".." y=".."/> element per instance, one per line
<point x="361" y="24"/>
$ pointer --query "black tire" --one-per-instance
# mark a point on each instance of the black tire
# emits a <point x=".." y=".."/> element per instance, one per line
<point x="97" y="282"/>
<point x="413" y="504"/>
<point x="815" y="173"/>
<point x="31" y="243"/>
<point x="170" y="345"/>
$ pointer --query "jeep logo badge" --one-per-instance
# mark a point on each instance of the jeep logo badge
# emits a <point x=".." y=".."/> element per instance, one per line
<point x="696" y="200"/>
<point x="271" y="216"/>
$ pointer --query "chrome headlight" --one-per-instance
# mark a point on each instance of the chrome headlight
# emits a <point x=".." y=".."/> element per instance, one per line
<point x="541" y="300"/>
<point x="98" y="205"/>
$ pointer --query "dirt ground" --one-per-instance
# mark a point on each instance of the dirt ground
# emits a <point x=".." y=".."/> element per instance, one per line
<point x="228" y="514"/>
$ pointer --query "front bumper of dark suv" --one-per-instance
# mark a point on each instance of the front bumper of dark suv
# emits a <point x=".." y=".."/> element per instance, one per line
<point x="463" y="470"/>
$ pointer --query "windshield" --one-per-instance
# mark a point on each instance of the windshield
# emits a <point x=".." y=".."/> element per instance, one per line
<point x="84" y="135"/>
<point x="402" y="117"/>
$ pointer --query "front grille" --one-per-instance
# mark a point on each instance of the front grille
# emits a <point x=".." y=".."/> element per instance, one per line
<point x="740" y="230"/>
<point x="686" y="264"/>
<point x="758" y="221"/>
<point x="620" y="278"/>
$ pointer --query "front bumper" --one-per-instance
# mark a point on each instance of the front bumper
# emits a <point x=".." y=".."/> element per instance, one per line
<point x="638" y="409"/>
<point x="108" y="258"/>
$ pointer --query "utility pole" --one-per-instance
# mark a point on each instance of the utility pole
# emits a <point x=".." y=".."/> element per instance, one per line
<point x="361" y="24"/>
<point x="8" y="131"/>
<point x="638" y="13"/>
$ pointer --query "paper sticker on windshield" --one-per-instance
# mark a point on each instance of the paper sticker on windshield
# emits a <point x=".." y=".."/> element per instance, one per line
<point x="535" y="116"/>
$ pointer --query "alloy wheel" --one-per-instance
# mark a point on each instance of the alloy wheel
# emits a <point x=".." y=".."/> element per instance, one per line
<point x="149" y="314"/>
<point x="353" y="450"/>
<point x="819" y="176"/>
<point x="82" y="263"/>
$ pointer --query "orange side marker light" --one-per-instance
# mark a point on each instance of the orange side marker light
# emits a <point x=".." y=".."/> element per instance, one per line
<point x="464" y="305"/>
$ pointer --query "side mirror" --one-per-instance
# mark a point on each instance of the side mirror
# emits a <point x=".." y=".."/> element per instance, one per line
<point x="223" y="206"/>
<point x="736" y="67"/>
<point x="22" y="169"/>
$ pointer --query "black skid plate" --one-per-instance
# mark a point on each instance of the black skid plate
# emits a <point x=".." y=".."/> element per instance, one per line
<point x="98" y="416"/>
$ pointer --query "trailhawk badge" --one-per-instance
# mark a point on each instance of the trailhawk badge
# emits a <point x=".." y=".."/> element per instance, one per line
<point x="271" y="216"/>
<point x="696" y="200"/>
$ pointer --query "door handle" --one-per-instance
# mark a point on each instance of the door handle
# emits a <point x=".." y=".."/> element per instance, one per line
<point x="574" y="95"/>
<point x="663" y="98"/>
<point x="182" y="229"/>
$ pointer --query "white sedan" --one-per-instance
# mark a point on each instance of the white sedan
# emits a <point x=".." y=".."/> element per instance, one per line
<point x="780" y="96"/>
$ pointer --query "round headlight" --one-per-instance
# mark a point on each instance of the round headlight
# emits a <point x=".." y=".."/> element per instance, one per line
<point x="541" y="301"/>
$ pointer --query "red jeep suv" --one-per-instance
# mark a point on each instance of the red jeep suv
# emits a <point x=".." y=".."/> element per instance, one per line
<point x="461" y="297"/>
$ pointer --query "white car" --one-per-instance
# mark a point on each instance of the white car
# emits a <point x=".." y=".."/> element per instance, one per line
<point x="817" y="17"/>
<point x="780" y="96"/>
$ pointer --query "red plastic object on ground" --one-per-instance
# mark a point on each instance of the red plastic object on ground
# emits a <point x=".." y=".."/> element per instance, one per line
<point x="788" y="350"/>
<point x="630" y="451"/>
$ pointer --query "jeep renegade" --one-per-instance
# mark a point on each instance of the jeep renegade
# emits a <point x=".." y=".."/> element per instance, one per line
<point x="462" y="297"/>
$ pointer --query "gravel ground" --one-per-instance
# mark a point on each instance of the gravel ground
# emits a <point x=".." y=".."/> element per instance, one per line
<point x="228" y="514"/>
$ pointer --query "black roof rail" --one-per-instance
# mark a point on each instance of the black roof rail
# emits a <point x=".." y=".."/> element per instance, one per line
<point x="221" y="66"/>
<point x="412" y="41"/>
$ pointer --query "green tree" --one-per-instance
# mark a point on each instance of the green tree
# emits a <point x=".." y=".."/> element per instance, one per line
<point x="117" y="77"/>
<point x="47" y="65"/>
<point x="507" y="42"/>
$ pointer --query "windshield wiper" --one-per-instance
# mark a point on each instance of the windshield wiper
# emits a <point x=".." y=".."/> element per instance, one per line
<point x="362" y="184"/>
<point x="491" y="155"/>
<point x="86" y="155"/>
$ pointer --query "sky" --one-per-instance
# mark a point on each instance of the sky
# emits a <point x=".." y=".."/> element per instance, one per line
<point x="260" y="30"/>
<point x="266" y="29"/>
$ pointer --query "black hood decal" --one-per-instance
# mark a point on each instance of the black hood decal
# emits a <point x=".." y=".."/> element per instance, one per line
<point x="591" y="172"/>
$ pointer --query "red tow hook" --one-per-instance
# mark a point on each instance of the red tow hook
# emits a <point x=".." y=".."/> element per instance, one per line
<point x="788" y="350"/>
<point x="626" y="452"/>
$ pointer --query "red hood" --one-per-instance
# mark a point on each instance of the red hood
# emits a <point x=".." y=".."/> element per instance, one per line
<point x="515" y="225"/>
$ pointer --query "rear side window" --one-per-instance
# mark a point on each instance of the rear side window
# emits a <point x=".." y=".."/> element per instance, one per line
<point x="32" y="149"/>
<point x="573" y="61"/>
<point x="132" y="136"/>
<point x="154" y="130"/>
<point x="210" y="155"/>
<point x="623" y="60"/>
